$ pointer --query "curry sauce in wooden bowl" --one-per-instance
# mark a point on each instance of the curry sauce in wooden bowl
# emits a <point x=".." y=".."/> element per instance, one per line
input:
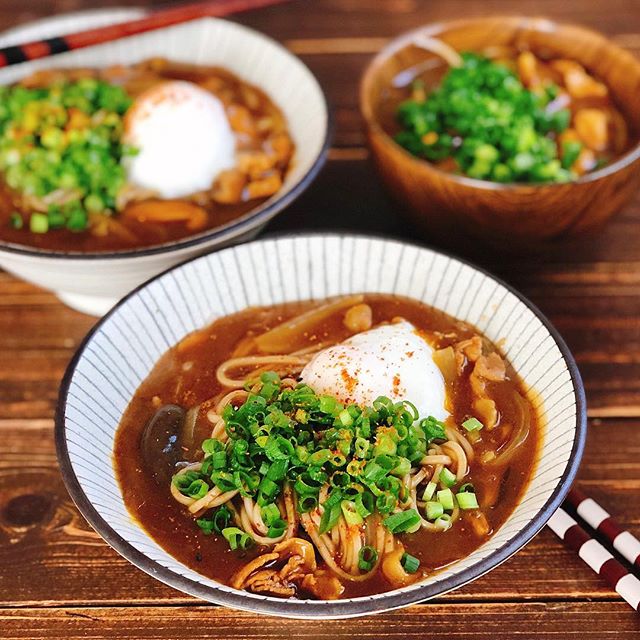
<point x="584" y="95"/>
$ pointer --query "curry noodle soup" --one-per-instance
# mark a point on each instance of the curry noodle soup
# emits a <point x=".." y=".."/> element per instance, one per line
<point x="327" y="449"/>
<point x="125" y="157"/>
<point x="506" y="115"/>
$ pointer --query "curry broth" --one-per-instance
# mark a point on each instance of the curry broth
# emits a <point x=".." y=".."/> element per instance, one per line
<point x="621" y="135"/>
<point x="174" y="381"/>
<point x="136" y="79"/>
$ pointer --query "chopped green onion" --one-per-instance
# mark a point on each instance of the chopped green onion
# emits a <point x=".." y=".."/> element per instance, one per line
<point x="197" y="489"/>
<point x="409" y="563"/>
<point x="467" y="500"/>
<point x="445" y="498"/>
<point x="303" y="487"/>
<point x="329" y="518"/>
<point x="340" y="479"/>
<point x="206" y="525"/>
<point x="269" y="513"/>
<point x="211" y="445"/>
<point x="472" y="424"/>
<point x="328" y="405"/>
<point x="283" y="437"/>
<point x="350" y="513"/>
<point x="433" y="510"/>
<point x="402" y="468"/>
<point x="355" y="467"/>
<point x="268" y="489"/>
<point x="467" y="487"/>
<point x="219" y="460"/>
<point x="39" y="223"/>
<point x="307" y="503"/>
<point x="361" y="447"/>
<point x="487" y="124"/>
<point x="373" y="472"/>
<point x="385" y="446"/>
<point x="221" y="518"/>
<point x="367" y="558"/>
<point x="276" y="531"/>
<point x="217" y="522"/>
<point x="447" y="478"/>
<point x="319" y="457"/>
<point x="403" y="522"/>
<point x="270" y="377"/>
<point x="338" y="460"/>
<point x="443" y="522"/>
<point x="433" y="429"/>
<point x="387" y="461"/>
<point x="278" y="448"/>
<point x="429" y="491"/>
<point x="65" y="137"/>
<point x="364" y="504"/>
<point x="570" y="151"/>
<point x="16" y="220"/>
<point x="277" y="470"/>
<point x="237" y="538"/>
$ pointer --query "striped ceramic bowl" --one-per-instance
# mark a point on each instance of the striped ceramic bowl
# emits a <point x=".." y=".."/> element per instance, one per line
<point x="121" y="350"/>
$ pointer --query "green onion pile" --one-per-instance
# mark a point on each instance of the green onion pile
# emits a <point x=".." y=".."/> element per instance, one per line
<point x="61" y="147"/>
<point x="361" y="454"/>
<point x="484" y="118"/>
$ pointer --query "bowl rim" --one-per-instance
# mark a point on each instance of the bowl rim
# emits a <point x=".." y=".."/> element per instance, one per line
<point x="433" y="29"/>
<point x="333" y="609"/>
<point x="259" y="215"/>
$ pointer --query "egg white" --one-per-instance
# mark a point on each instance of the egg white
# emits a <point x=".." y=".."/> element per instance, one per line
<point x="392" y="360"/>
<point x="183" y="138"/>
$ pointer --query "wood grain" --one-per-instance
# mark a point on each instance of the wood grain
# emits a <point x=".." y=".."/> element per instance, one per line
<point x="58" y="579"/>
<point x="491" y="621"/>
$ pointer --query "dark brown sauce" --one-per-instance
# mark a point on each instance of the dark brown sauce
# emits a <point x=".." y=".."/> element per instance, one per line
<point x="136" y="79"/>
<point x="171" y="383"/>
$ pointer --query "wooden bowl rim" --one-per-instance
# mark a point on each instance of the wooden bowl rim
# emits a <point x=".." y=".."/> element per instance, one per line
<point x="539" y="23"/>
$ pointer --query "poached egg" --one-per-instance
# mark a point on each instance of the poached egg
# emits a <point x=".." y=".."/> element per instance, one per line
<point x="183" y="137"/>
<point x="391" y="360"/>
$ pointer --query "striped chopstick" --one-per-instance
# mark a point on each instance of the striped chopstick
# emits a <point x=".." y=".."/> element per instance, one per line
<point x="626" y="544"/>
<point x="597" y="557"/>
<point x="156" y="20"/>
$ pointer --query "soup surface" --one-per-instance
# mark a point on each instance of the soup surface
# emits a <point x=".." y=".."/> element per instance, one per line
<point x="130" y="156"/>
<point x="505" y="115"/>
<point x="370" y="499"/>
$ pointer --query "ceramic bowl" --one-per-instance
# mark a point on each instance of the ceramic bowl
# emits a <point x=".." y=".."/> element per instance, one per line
<point x="507" y="216"/>
<point x="121" y="350"/>
<point x="93" y="282"/>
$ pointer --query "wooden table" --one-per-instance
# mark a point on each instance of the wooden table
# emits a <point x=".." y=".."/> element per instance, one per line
<point x="58" y="579"/>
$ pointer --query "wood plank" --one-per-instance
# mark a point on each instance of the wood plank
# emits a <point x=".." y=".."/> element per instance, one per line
<point x="495" y="621"/>
<point x="363" y="18"/>
<point x="42" y="535"/>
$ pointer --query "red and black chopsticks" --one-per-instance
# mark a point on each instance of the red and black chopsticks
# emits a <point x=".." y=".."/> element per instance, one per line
<point x="156" y="20"/>
<point x="596" y="555"/>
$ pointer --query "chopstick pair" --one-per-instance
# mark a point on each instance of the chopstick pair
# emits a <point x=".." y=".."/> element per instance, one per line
<point x="595" y="554"/>
<point x="155" y="20"/>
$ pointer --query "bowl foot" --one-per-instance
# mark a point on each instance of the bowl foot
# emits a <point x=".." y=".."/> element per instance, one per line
<point x="91" y="305"/>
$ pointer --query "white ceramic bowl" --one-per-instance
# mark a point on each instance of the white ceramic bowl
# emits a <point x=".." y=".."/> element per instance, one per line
<point x="94" y="282"/>
<point x="121" y="350"/>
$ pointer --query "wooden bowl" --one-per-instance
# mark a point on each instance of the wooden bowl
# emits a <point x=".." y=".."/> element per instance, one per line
<point x="441" y="203"/>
